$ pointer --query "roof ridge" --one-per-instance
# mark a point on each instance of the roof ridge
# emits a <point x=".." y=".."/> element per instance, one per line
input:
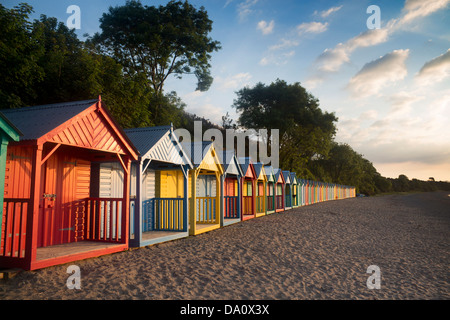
<point x="50" y="106"/>
<point x="147" y="128"/>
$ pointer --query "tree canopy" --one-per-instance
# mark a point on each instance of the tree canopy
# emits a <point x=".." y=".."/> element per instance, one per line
<point x="43" y="61"/>
<point x="305" y="130"/>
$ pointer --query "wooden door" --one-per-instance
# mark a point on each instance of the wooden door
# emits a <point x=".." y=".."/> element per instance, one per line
<point x="65" y="181"/>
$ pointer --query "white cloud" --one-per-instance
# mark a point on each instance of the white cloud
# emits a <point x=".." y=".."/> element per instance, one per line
<point x="266" y="28"/>
<point x="415" y="9"/>
<point x="435" y="70"/>
<point x="379" y="73"/>
<point x="401" y="103"/>
<point x="236" y="81"/>
<point x="284" y="43"/>
<point x="264" y="61"/>
<point x="278" y="59"/>
<point x="246" y="8"/>
<point x="312" y="27"/>
<point x="326" y="13"/>
<point x="332" y="59"/>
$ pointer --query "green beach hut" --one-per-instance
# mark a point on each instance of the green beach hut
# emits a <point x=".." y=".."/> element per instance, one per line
<point x="8" y="133"/>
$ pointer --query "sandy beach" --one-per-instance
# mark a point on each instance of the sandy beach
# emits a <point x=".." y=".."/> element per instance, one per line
<point x="320" y="251"/>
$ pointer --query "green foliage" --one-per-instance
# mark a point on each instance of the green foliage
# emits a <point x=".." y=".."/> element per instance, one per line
<point x="19" y="52"/>
<point x="140" y="46"/>
<point x="305" y="130"/>
<point x="159" y="41"/>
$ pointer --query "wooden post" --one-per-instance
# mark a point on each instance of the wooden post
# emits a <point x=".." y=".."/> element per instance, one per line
<point x="137" y="218"/>
<point x="126" y="201"/>
<point x="218" y="196"/>
<point x="186" y="199"/>
<point x="193" y="203"/>
<point x="239" y="200"/>
<point x="222" y="199"/>
<point x="33" y="208"/>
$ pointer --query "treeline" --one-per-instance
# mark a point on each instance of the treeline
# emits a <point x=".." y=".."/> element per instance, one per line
<point x="42" y="61"/>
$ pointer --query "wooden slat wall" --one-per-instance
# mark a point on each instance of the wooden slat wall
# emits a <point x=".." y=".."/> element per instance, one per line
<point x="17" y="172"/>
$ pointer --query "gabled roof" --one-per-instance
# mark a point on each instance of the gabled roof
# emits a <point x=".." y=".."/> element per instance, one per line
<point x="198" y="150"/>
<point x="158" y="143"/>
<point x="269" y="173"/>
<point x="9" y="130"/>
<point x="294" y="178"/>
<point x="260" y="169"/>
<point x="278" y="174"/>
<point x="247" y="163"/>
<point x="287" y="176"/>
<point x="230" y="161"/>
<point x="85" y="123"/>
<point x="36" y="121"/>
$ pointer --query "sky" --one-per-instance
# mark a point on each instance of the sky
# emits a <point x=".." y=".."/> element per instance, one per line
<point x="389" y="86"/>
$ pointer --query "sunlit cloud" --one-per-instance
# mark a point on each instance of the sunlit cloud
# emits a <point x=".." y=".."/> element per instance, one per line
<point x="266" y="28"/>
<point x="379" y="73"/>
<point x="233" y="82"/>
<point x="332" y="59"/>
<point x="327" y="13"/>
<point x="312" y="27"/>
<point x="246" y="8"/>
<point x="284" y="43"/>
<point x="435" y="70"/>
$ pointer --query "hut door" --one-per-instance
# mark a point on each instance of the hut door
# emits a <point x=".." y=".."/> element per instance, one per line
<point x="65" y="181"/>
<point x="48" y="203"/>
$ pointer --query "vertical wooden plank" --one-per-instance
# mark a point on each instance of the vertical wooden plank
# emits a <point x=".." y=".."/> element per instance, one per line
<point x="33" y="209"/>
<point x="126" y="199"/>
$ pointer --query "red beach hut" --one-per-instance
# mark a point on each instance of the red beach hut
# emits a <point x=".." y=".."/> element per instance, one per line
<point x="279" y="190"/>
<point x="248" y="186"/>
<point x="50" y="213"/>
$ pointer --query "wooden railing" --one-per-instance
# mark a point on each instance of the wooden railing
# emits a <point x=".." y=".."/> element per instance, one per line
<point x="260" y="204"/>
<point x="206" y="210"/>
<point x="231" y="207"/>
<point x="13" y="237"/>
<point x="103" y="219"/>
<point x="279" y="202"/>
<point x="247" y="205"/>
<point x="270" y="206"/>
<point x="295" y="200"/>
<point x="287" y="200"/>
<point x="168" y="214"/>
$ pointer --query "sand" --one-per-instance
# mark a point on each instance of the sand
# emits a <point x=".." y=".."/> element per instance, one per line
<point x="320" y="251"/>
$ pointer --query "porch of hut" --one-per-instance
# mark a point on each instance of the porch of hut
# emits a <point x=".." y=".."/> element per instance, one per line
<point x="158" y="191"/>
<point x="204" y="187"/>
<point x="261" y="189"/>
<point x="288" y="190"/>
<point x="51" y="215"/>
<point x="279" y="190"/>
<point x="8" y="133"/>
<point x="295" y="190"/>
<point x="270" y="190"/>
<point x="231" y="186"/>
<point x="248" y="185"/>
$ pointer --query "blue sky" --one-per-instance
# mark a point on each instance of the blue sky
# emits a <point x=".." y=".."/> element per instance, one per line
<point x="389" y="87"/>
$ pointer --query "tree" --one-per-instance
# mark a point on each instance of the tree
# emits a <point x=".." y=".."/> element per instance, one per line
<point x="305" y="131"/>
<point x="19" y="53"/>
<point x="157" y="42"/>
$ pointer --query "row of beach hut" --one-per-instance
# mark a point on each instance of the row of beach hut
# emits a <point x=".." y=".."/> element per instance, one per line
<point x="76" y="185"/>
